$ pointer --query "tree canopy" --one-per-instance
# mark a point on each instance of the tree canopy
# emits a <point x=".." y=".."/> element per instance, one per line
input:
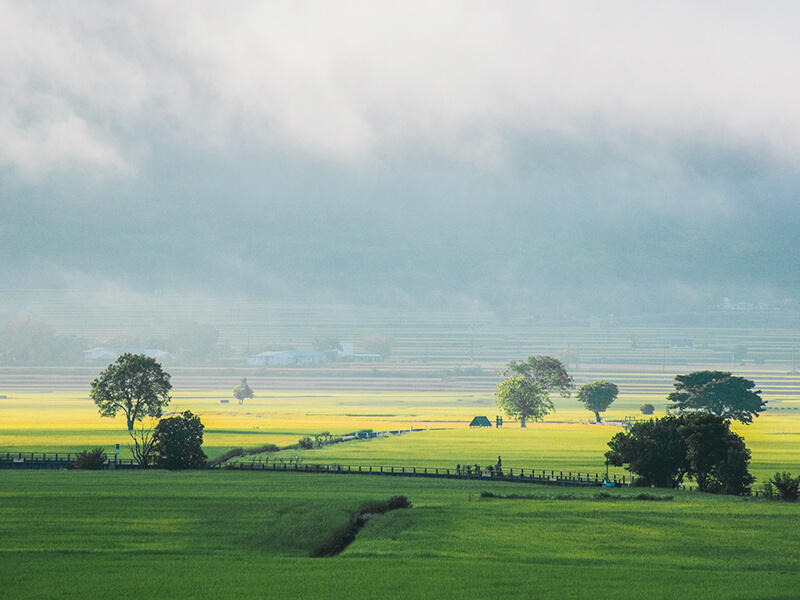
<point x="661" y="452"/>
<point x="178" y="441"/>
<point x="135" y="385"/>
<point x="243" y="391"/>
<point x="522" y="398"/>
<point x="550" y="373"/>
<point x="718" y="393"/>
<point x="598" y="396"/>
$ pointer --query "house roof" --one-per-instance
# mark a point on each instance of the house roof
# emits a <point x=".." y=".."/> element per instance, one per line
<point x="480" y="422"/>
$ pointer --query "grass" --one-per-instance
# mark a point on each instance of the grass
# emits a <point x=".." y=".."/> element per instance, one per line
<point x="248" y="535"/>
<point x="68" y="422"/>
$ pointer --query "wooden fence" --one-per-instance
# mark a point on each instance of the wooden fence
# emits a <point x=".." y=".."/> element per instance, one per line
<point x="55" y="460"/>
<point x="544" y="476"/>
<point x="61" y="460"/>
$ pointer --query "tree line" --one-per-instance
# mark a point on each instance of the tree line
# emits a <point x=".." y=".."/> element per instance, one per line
<point x="696" y="443"/>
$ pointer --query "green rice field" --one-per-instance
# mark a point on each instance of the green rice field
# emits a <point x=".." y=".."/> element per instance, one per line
<point x="69" y="534"/>
<point x="239" y="534"/>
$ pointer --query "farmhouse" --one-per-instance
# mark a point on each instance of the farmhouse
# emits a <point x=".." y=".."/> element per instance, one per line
<point x="287" y="358"/>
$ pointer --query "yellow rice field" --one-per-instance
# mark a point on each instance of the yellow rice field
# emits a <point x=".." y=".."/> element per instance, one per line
<point x="69" y="421"/>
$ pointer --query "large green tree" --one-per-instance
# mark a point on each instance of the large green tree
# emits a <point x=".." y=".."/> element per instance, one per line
<point x="522" y="398"/>
<point x="718" y="393"/>
<point x="598" y="396"/>
<point x="654" y="451"/>
<point x="718" y="457"/>
<point x="661" y="452"/>
<point x="135" y="385"/>
<point x="550" y="373"/>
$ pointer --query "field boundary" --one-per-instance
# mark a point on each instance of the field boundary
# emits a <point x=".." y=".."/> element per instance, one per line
<point x="43" y="460"/>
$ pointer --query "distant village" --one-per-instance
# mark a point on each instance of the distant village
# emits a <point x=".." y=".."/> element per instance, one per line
<point x="273" y="358"/>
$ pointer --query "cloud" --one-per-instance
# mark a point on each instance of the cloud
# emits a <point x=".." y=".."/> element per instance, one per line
<point x="363" y="83"/>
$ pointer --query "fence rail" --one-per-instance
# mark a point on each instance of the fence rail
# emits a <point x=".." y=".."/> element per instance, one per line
<point x="540" y="476"/>
<point x="61" y="460"/>
<point x="55" y="460"/>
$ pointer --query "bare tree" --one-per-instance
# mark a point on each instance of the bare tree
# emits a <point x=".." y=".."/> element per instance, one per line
<point x="144" y="445"/>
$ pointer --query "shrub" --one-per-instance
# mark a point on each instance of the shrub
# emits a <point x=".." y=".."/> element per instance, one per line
<point x="782" y="486"/>
<point x="647" y="409"/>
<point x="90" y="460"/>
<point x="379" y="508"/>
<point x="178" y="442"/>
<point x="262" y="449"/>
<point x="306" y="443"/>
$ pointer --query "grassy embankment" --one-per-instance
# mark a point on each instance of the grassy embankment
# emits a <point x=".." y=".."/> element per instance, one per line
<point x="248" y="535"/>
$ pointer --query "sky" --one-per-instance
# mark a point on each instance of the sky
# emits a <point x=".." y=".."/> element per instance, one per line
<point x="594" y="158"/>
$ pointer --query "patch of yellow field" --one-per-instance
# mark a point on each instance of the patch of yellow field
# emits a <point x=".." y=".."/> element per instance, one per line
<point x="70" y="421"/>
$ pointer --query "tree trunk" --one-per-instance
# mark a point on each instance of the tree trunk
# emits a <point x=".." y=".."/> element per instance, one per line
<point x="522" y="421"/>
<point x="597" y="414"/>
<point x="130" y="422"/>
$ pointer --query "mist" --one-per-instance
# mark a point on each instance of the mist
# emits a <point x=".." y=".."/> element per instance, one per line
<point x="532" y="159"/>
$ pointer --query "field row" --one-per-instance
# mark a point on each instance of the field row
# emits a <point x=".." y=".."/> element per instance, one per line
<point x="464" y="337"/>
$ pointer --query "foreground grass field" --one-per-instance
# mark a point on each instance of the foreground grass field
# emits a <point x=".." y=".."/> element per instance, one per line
<point x="241" y="535"/>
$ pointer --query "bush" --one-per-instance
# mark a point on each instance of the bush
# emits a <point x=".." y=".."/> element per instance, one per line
<point x="647" y="409"/>
<point x="178" y="442"/>
<point x="262" y="449"/>
<point x="90" y="460"/>
<point x="782" y="486"/>
<point x="306" y="443"/>
<point x="379" y="508"/>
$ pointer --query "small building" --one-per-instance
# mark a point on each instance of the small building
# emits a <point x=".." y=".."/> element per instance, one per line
<point x="480" y="422"/>
<point x="286" y="358"/>
<point x="282" y="357"/>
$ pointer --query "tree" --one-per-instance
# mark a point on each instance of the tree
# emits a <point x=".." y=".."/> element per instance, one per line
<point x="521" y="397"/>
<point x="178" y="441"/>
<point x="25" y="341"/>
<point x="598" y="396"/>
<point x="654" y="451"/>
<point x="134" y="384"/>
<point x="382" y="344"/>
<point x="718" y="457"/>
<point x="647" y="409"/>
<point x="550" y="373"/>
<point x="661" y="452"/>
<point x="718" y="393"/>
<point x="328" y="345"/>
<point x="243" y="391"/>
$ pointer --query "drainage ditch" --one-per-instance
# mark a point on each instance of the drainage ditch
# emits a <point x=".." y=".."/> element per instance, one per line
<point x="371" y="510"/>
